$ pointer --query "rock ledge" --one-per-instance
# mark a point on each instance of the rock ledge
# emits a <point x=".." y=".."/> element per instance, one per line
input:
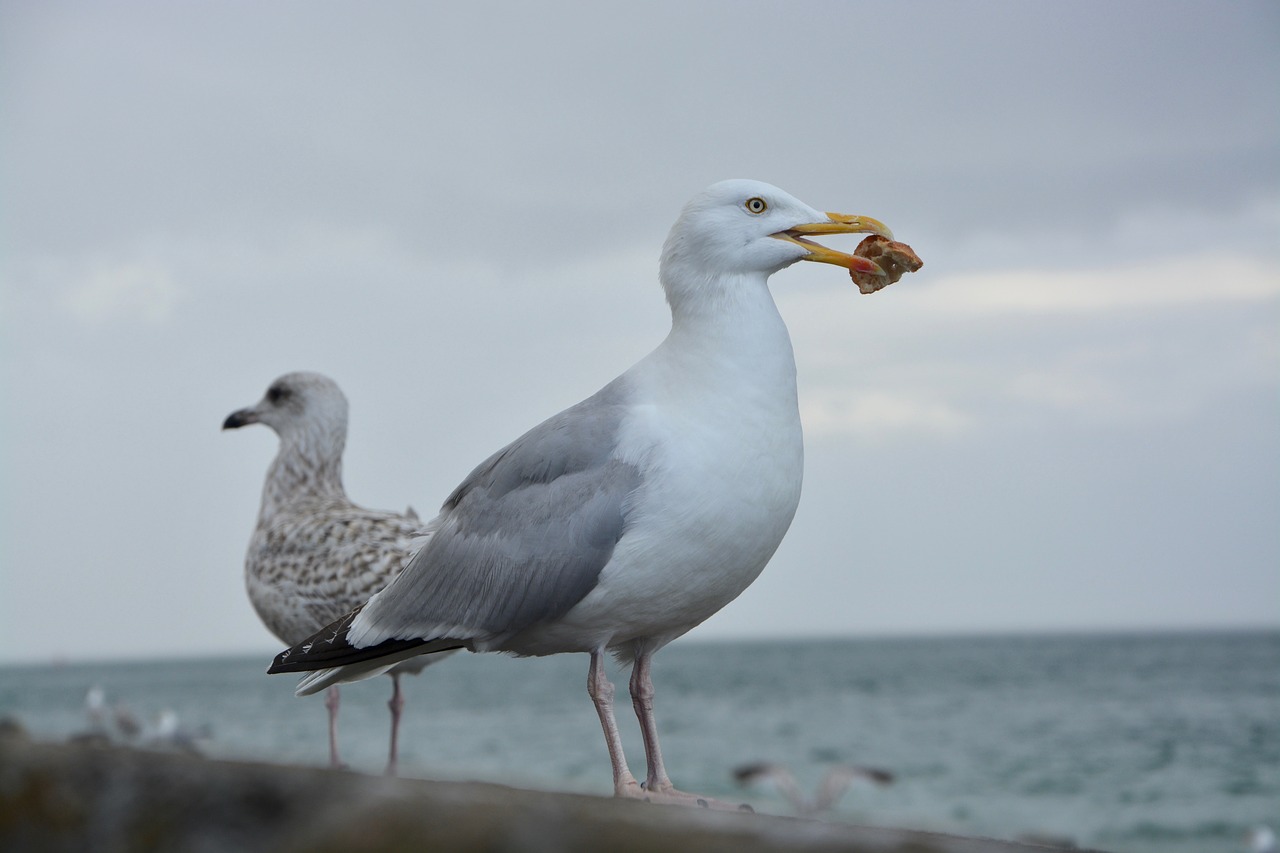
<point x="56" y="797"/>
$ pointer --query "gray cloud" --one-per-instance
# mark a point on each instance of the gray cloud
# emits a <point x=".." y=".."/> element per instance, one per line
<point x="1065" y="420"/>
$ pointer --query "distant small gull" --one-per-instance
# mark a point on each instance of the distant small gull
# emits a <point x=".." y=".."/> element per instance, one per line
<point x="128" y="725"/>
<point x="1261" y="839"/>
<point x="833" y="785"/>
<point x="314" y="554"/>
<point x="628" y="519"/>
<point x="95" y="707"/>
<point x="108" y="721"/>
<point x="169" y="734"/>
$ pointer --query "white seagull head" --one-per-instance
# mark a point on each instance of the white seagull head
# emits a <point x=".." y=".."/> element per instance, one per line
<point x="750" y="228"/>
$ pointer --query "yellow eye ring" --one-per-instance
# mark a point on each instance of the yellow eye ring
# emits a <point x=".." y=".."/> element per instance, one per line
<point x="756" y="205"/>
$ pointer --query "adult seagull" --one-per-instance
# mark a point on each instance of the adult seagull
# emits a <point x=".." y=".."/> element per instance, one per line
<point x="624" y="521"/>
<point x="314" y="555"/>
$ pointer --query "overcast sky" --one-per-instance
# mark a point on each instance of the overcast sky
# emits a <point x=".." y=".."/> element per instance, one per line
<point x="1068" y="420"/>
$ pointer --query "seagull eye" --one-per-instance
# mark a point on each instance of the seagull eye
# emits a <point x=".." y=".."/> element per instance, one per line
<point x="275" y="393"/>
<point x="757" y="205"/>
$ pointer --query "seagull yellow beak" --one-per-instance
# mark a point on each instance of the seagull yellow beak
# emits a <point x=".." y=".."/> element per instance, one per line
<point x="837" y="223"/>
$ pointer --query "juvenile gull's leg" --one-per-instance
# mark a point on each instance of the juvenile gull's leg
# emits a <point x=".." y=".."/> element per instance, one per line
<point x="601" y="691"/>
<point x="331" y="700"/>
<point x="396" y="704"/>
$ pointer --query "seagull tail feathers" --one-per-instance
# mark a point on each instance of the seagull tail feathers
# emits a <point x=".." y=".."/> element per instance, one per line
<point x="314" y="682"/>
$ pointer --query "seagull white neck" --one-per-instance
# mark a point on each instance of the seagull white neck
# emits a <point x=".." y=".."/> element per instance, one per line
<point x="731" y="327"/>
<point x="308" y="466"/>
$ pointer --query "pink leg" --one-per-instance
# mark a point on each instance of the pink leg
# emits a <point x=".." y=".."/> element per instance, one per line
<point x="331" y="700"/>
<point x="396" y="704"/>
<point x="642" y="701"/>
<point x="601" y="692"/>
<point x="658" y="787"/>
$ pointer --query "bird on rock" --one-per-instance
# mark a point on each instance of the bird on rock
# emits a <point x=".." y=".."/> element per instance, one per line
<point x="626" y="520"/>
<point x="314" y="554"/>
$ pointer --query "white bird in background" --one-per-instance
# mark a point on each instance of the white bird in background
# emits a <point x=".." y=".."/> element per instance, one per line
<point x="832" y="787"/>
<point x="95" y="708"/>
<point x="624" y="521"/>
<point x="1260" y="839"/>
<point x="314" y="554"/>
<point x="168" y="733"/>
<point x="108" y="720"/>
<point x="128" y="725"/>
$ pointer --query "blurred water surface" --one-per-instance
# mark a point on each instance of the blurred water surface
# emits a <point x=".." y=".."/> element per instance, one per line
<point x="1132" y="743"/>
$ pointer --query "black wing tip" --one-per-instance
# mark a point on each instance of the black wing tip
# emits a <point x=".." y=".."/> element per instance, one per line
<point x="328" y="648"/>
<point x="879" y="776"/>
<point x="300" y="658"/>
<point x="281" y="663"/>
<point x="306" y="657"/>
<point x="323" y="649"/>
<point x="747" y="772"/>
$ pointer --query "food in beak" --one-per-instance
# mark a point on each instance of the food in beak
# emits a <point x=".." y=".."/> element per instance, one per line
<point x="893" y="258"/>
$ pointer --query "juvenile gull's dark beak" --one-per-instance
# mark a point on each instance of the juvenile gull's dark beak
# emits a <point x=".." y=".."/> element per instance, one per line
<point x="244" y="417"/>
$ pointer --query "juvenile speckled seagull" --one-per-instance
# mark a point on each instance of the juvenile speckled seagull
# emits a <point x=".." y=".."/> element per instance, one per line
<point x="624" y="521"/>
<point x="314" y="554"/>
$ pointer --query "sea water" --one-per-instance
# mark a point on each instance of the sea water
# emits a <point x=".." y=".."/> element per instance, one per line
<point x="1129" y="743"/>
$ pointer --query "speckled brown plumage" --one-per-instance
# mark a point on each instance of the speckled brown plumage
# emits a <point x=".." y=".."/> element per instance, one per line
<point x="314" y="555"/>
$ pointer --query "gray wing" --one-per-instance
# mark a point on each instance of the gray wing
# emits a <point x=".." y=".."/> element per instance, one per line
<point x="522" y="540"/>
